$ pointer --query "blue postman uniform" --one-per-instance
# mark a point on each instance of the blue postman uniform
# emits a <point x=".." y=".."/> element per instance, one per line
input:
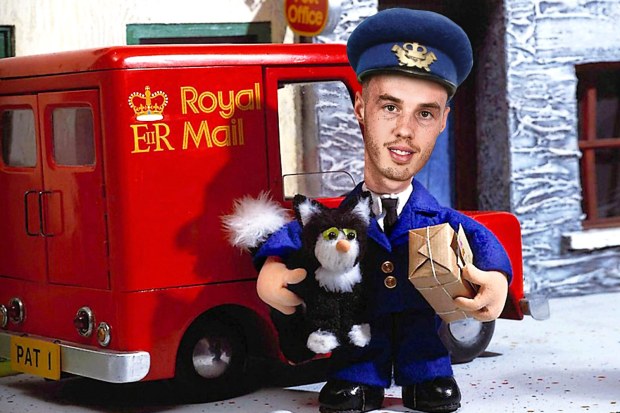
<point x="405" y="344"/>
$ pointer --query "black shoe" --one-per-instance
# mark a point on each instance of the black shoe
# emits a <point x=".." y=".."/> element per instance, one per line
<point x="339" y="396"/>
<point x="439" y="395"/>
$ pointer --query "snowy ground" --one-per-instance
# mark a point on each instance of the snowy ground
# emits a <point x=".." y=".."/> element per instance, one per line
<point x="569" y="363"/>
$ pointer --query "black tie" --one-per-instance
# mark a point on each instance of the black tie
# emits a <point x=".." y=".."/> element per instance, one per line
<point x="389" y="206"/>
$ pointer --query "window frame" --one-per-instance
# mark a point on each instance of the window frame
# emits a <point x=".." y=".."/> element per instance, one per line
<point x="137" y="32"/>
<point x="589" y="143"/>
<point x="7" y="41"/>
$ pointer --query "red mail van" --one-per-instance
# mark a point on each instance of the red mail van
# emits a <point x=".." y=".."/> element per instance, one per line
<point x="117" y="165"/>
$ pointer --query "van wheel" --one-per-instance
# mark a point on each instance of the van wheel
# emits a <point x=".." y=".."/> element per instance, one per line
<point x="211" y="361"/>
<point x="466" y="339"/>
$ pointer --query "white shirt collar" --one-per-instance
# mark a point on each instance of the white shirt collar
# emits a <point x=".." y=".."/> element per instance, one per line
<point x="377" y="209"/>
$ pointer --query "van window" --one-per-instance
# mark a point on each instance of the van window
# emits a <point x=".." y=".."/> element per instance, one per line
<point x="74" y="141"/>
<point x="19" y="147"/>
<point x="321" y="144"/>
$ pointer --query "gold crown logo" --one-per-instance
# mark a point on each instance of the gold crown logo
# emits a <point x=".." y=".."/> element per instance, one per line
<point x="148" y="106"/>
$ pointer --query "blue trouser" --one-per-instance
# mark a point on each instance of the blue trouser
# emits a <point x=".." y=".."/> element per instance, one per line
<point x="406" y="343"/>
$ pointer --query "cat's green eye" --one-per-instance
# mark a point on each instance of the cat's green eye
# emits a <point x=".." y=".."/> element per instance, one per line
<point x="351" y="234"/>
<point x="330" y="234"/>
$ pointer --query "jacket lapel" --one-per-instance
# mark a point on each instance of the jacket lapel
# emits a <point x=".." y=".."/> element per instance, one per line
<point x="374" y="230"/>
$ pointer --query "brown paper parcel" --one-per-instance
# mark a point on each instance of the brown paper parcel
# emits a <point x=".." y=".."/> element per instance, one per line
<point x="436" y="256"/>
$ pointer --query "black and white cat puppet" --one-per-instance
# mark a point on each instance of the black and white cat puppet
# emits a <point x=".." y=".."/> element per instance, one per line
<point x="333" y="244"/>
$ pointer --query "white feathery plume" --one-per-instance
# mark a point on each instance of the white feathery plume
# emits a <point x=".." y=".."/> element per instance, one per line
<point x="253" y="220"/>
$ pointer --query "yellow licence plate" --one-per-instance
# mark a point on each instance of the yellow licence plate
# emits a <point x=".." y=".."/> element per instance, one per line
<point x="37" y="357"/>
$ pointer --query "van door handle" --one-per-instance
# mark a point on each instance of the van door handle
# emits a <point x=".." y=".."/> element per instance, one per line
<point x="40" y="195"/>
<point x="41" y="217"/>
<point x="27" y="214"/>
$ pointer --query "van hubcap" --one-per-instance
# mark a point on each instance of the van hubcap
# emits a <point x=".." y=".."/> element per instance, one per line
<point x="212" y="356"/>
<point x="465" y="331"/>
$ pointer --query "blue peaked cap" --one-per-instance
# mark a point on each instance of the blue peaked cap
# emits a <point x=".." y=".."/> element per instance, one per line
<point x="417" y="42"/>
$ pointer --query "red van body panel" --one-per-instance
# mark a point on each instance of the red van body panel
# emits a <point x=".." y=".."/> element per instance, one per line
<point x="129" y="225"/>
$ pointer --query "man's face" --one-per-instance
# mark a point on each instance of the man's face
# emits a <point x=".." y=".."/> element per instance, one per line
<point x="402" y="117"/>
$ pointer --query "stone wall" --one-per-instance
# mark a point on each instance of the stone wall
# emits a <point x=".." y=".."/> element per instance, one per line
<point x="544" y="40"/>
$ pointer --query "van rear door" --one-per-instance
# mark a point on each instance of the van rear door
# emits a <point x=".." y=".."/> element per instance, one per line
<point x="22" y="249"/>
<point x="73" y="202"/>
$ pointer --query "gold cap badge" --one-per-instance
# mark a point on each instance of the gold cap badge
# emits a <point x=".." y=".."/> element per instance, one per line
<point x="414" y="55"/>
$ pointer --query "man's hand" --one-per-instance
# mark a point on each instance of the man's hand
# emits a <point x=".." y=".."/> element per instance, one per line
<point x="271" y="285"/>
<point x="488" y="304"/>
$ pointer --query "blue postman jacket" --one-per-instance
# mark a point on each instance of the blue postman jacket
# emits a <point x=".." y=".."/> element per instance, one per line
<point x="390" y="256"/>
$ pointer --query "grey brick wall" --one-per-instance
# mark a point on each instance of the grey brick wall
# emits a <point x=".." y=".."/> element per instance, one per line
<point x="544" y="41"/>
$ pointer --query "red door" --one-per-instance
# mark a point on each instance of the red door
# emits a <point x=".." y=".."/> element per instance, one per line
<point x="73" y="200"/>
<point x="22" y="248"/>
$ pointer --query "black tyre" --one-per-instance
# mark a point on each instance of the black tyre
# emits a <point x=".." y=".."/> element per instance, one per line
<point x="211" y="361"/>
<point x="466" y="339"/>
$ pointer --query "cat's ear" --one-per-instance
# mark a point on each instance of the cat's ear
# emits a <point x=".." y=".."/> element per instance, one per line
<point x="362" y="208"/>
<point x="305" y="208"/>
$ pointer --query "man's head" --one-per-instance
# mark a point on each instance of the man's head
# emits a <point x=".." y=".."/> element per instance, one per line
<point x="410" y="63"/>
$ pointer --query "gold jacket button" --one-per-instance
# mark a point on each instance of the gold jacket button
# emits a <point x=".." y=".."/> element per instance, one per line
<point x="390" y="281"/>
<point x="387" y="267"/>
